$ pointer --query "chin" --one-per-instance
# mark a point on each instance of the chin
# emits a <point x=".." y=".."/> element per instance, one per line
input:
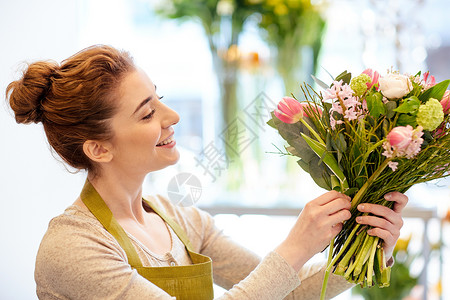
<point x="176" y="159"/>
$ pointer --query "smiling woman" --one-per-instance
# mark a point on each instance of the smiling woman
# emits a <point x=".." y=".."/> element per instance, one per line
<point x="101" y="113"/>
<point x="141" y="129"/>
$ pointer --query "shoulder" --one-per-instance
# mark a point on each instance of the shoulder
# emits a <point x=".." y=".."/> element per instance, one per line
<point x="71" y="237"/>
<point x="75" y="221"/>
<point x="79" y="259"/>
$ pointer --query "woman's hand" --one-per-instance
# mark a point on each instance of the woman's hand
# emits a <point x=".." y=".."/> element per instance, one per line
<point x="386" y="222"/>
<point x="318" y="223"/>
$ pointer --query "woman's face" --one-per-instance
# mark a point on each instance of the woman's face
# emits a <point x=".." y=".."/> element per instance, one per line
<point x="143" y="135"/>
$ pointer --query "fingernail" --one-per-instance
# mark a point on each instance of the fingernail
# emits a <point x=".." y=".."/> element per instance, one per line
<point x="361" y="207"/>
<point x="388" y="196"/>
<point x="358" y="219"/>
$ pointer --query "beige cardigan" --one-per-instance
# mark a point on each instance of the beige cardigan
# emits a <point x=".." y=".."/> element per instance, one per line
<point x="79" y="259"/>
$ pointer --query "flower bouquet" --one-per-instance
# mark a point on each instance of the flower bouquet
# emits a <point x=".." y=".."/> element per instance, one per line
<point x="366" y="137"/>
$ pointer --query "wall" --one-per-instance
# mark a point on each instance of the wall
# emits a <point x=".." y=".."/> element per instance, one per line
<point x="33" y="185"/>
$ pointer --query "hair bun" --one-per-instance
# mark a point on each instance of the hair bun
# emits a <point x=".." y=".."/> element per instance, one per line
<point x="26" y="94"/>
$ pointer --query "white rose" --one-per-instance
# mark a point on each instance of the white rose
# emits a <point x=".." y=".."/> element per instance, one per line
<point x="395" y="86"/>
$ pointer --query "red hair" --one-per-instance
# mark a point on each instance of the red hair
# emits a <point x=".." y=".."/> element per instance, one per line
<point x="74" y="101"/>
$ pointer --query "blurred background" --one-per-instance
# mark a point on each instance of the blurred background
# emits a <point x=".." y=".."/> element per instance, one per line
<point x="223" y="65"/>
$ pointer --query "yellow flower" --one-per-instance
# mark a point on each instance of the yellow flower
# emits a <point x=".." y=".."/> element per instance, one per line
<point x="293" y="3"/>
<point x="254" y="2"/>
<point x="402" y="244"/>
<point x="438" y="287"/>
<point x="233" y="53"/>
<point x="281" y="10"/>
<point x="274" y="2"/>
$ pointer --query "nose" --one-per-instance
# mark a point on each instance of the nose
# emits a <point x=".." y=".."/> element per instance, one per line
<point x="170" y="117"/>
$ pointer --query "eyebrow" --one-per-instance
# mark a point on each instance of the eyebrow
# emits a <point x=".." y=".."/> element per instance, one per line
<point x="145" y="101"/>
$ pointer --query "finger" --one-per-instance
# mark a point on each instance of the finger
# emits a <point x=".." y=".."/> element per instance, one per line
<point x="335" y="229"/>
<point x="388" y="238"/>
<point x="378" y="222"/>
<point x="383" y="212"/>
<point x="400" y="200"/>
<point x="336" y="205"/>
<point x="338" y="217"/>
<point x="329" y="196"/>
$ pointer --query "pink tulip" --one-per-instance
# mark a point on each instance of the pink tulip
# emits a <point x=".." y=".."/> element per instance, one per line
<point x="400" y="137"/>
<point x="429" y="80"/>
<point x="374" y="75"/>
<point x="403" y="142"/>
<point x="290" y="110"/>
<point x="445" y="102"/>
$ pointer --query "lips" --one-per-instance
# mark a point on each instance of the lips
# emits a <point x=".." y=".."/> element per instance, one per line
<point x="168" y="140"/>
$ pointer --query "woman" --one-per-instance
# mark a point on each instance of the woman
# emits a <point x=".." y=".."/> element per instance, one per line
<point x="102" y="114"/>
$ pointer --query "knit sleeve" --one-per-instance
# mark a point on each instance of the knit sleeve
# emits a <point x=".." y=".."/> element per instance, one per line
<point x="241" y="271"/>
<point x="77" y="259"/>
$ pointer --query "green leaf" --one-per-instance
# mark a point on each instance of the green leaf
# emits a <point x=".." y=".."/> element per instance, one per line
<point x="291" y="134"/>
<point x="327" y="158"/>
<point x="271" y="122"/>
<point x="351" y="191"/>
<point x="409" y="105"/>
<point x="390" y="107"/>
<point x="345" y="77"/>
<point x="318" y="172"/>
<point x="436" y="92"/>
<point x="320" y="82"/>
<point x="335" y="184"/>
<point x="375" y="104"/>
<point x="304" y="165"/>
<point x="405" y="119"/>
<point x="292" y="151"/>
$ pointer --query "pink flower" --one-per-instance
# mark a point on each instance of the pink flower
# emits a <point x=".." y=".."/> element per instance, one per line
<point x="290" y="110"/>
<point x="374" y="75"/>
<point x="445" y="102"/>
<point x="393" y="165"/>
<point x="403" y="142"/>
<point x="400" y="137"/>
<point x="440" y="131"/>
<point x="338" y="90"/>
<point x="428" y="80"/>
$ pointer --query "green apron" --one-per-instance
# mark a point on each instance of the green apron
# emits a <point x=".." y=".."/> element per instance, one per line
<point x="183" y="282"/>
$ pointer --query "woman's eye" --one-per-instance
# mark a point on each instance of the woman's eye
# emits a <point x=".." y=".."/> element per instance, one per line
<point x="149" y="116"/>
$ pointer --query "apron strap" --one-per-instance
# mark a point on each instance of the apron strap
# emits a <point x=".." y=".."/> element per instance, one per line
<point x="176" y="228"/>
<point x="100" y="210"/>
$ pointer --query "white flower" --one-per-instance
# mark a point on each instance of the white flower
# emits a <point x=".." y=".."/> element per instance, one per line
<point x="395" y="86"/>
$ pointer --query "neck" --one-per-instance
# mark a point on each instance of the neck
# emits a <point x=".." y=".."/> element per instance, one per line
<point x="122" y="196"/>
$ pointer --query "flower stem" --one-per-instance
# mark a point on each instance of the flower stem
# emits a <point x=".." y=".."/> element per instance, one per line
<point x="340" y="269"/>
<point x="357" y="198"/>
<point x="334" y="260"/>
<point x="371" y="261"/>
<point x="363" y="255"/>
<point x="316" y="135"/>
<point x="327" y="271"/>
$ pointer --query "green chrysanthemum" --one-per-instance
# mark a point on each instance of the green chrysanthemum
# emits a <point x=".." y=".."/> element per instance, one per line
<point x="359" y="84"/>
<point x="430" y="115"/>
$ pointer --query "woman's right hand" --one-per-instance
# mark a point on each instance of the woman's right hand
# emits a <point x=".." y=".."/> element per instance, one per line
<point x="318" y="223"/>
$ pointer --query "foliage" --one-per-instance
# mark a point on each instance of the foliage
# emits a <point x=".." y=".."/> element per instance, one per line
<point x="367" y="146"/>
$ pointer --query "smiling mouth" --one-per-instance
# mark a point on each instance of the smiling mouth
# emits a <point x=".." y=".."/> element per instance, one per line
<point x="166" y="141"/>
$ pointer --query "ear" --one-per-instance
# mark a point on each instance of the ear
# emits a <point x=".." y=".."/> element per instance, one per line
<point x="97" y="151"/>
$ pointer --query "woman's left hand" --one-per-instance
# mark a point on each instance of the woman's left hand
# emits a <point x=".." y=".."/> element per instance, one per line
<point x="386" y="222"/>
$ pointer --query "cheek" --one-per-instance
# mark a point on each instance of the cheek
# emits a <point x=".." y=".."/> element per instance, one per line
<point x="139" y="139"/>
